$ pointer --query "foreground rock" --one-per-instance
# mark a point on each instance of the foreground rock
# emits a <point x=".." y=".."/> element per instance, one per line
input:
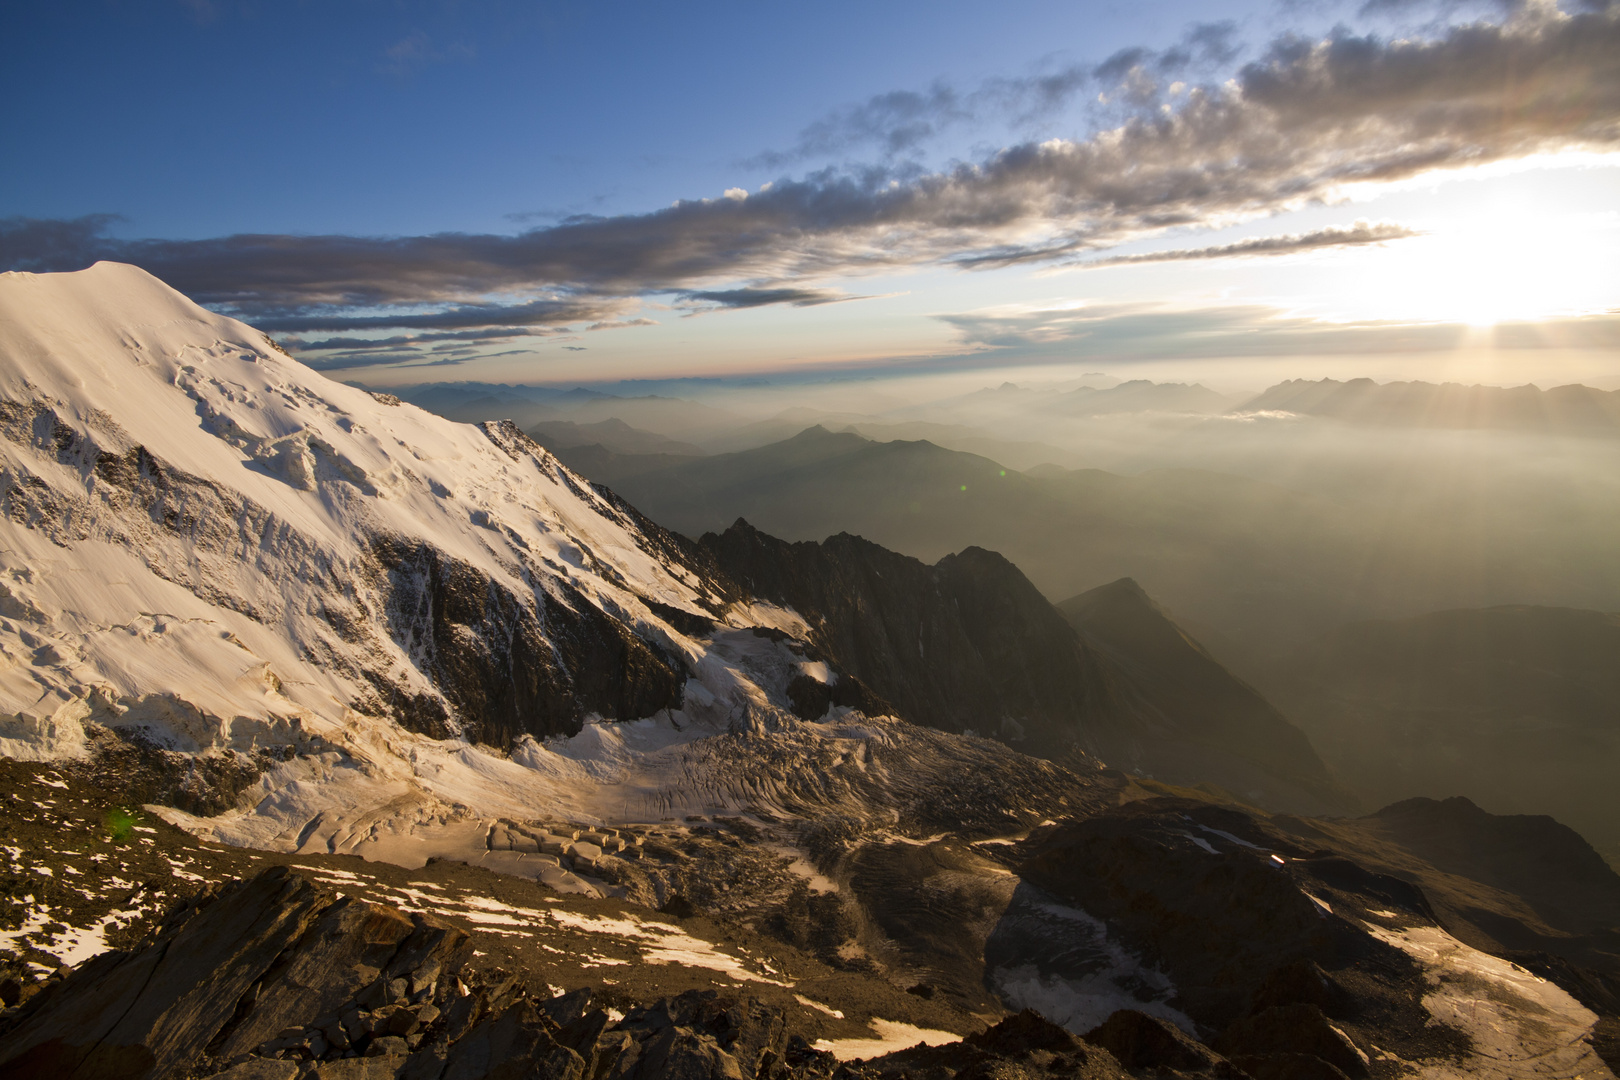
<point x="276" y="978"/>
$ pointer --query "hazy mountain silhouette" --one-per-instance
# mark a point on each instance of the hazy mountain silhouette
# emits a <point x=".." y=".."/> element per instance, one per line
<point x="1224" y="728"/>
<point x="613" y="435"/>
<point x="1445" y="405"/>
<point x="969" y="645"/>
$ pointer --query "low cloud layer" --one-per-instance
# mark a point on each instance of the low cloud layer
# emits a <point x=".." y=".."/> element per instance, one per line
<point x="1304" y="119"/>
<point x="1142" y="331"/>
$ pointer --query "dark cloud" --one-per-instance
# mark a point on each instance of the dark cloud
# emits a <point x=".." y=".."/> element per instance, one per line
<point x="342" y="361"/>
<point x="40" y="245"/>
<point x="1292" y="126"/>
<point x="536" y="312"/>
<point x="758" y="297"/>
<point x="492" y="334"/>
<point x="1362" y="232"/>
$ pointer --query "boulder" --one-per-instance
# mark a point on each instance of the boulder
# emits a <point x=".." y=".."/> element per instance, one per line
<point x="680" y="1053"/>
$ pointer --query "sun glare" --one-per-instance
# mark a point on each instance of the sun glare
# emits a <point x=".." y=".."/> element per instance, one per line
<point x="1506" y="266"/>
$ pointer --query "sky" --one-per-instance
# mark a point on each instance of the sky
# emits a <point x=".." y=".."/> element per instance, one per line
<point x="405" y="192"/>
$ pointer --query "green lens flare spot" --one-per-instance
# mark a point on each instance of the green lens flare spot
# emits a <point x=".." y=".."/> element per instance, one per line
<point x="119" y="823"/>
<point x="964" y="487"/>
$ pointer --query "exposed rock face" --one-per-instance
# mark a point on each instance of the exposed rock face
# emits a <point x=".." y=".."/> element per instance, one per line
<point x="970" y="644"/>
<point x="509" y="667"/>
<point x="965" y="644"/>
<point x="1149" y="1046"/>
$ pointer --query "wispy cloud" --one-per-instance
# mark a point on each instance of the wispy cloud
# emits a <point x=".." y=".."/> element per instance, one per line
<point x="417" y="50"/>
<point x="898" y="122"/>
<point x="1357" y="235"/>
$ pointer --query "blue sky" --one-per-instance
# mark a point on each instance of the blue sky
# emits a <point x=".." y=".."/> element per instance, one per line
<point x="419" y="191"/>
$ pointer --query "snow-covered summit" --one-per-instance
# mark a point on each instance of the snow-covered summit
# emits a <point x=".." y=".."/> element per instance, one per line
<point x="208" y="542"/>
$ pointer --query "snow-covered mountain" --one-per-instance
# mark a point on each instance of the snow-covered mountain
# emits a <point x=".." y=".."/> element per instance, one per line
<point x="212" y="545"/>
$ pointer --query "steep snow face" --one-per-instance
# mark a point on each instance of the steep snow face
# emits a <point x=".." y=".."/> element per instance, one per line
<point x="203" y="538"/>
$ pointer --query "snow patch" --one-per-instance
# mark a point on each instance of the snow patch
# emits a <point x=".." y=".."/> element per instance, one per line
<point x="889" y="1036"/>
<point x="1518" y="1024"/>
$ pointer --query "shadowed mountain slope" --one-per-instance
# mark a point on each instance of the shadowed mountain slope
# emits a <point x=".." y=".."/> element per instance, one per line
<point x="969" y="644"/>
<point x="1196" y="697"/>
<point x="966" y="644"/>
<point x="1517" y="708"/>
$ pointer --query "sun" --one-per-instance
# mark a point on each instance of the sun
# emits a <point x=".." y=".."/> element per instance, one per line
<point x="1514" y="264"/>
<point x="1483" y="273"/>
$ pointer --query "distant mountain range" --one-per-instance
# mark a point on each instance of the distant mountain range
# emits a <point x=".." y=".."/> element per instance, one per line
<point x="1444" y="405"/>
<point x="612" y="435"/>
<point x="1259" y="564"/>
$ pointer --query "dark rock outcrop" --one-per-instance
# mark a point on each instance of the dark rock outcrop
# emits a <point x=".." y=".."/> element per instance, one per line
<point x="1295" y="1030"/>
<point x="508" y="667"/>
<point x="1022" y="1046"/>
<point x="1262" y="940"/>
<point x="234" y="971"/>
<point x="278" y="979"/>
<point x="1149" y="1046"/>
<point x="966" y="644"/>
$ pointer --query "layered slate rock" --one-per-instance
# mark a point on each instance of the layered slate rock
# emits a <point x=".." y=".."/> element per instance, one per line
<point x="228" y="973"/>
